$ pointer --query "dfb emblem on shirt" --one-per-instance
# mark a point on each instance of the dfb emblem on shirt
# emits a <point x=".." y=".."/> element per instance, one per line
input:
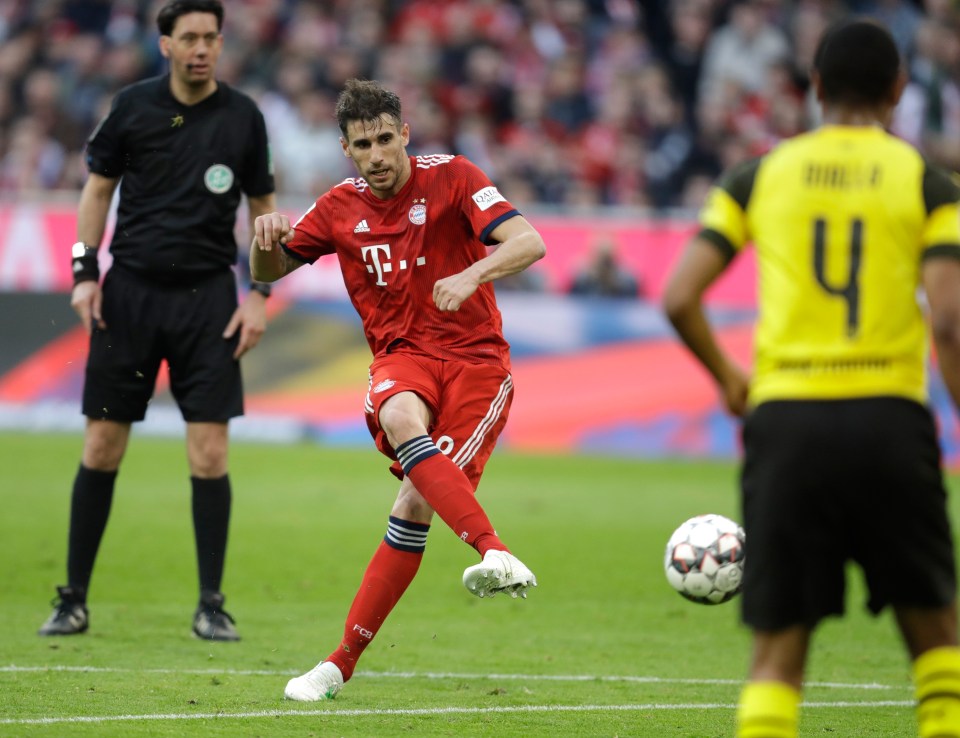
<point x="418" y="213"/>
<point x="218" y="178"/>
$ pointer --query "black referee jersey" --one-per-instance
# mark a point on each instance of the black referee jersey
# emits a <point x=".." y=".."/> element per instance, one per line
<point x="183" y="169"/>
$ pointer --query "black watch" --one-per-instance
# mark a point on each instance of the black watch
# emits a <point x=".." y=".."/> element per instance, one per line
<point x="83" y="263"/>
<point x="262" y="287"/>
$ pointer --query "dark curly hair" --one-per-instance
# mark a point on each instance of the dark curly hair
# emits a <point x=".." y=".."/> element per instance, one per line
<point x="366" y="100"/>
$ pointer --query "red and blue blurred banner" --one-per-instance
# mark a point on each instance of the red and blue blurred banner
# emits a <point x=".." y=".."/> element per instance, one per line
<point x="592" y="375"/>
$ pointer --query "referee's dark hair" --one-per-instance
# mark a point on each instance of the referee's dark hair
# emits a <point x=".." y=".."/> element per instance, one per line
<point x="167" y="17"/>
<point x="858" y="63"/>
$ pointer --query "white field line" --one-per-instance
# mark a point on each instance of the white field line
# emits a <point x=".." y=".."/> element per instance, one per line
<point x="442" y="675"/>
<point x="333" y="712"/>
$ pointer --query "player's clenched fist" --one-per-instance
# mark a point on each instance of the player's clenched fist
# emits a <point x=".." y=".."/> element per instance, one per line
<point x="451" y="292"/>
<point x="271" y="229"/>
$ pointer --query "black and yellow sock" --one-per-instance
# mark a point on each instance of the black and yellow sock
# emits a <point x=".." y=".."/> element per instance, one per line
<point x="936" y="674"/>
<point x="768" y="710"/>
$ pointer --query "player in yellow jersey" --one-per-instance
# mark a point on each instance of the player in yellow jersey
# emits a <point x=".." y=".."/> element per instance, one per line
<point x="841" y="460"/>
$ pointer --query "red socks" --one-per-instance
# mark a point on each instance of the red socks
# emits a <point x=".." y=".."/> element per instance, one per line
<point x="394" y="565"/>
<point x="444" y="485"/>
<point x="389" y="573"/>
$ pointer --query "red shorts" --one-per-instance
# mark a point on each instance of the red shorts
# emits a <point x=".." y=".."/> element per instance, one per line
<point x="469" y="403"/>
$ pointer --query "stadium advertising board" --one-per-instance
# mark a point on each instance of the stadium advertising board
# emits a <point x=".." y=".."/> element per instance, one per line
<point x="35" y="238"/>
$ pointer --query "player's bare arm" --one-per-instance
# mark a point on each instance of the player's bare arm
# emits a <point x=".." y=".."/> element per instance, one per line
<point x="520" y="246"/>
<point x="95" y="199"/>
<point x="941" y="282"/>
<point x="269" y="262"/>
<point x="699" y="267"/>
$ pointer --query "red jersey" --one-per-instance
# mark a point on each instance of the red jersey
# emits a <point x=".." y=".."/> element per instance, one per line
<point x="392" y="252"/>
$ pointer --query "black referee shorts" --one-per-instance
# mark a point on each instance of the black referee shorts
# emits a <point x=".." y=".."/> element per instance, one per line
<point x="827" y="482"/>
<point x="147" y="323"/>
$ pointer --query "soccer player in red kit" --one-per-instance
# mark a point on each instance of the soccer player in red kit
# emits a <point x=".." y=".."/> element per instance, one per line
<point x="411" y="235"/>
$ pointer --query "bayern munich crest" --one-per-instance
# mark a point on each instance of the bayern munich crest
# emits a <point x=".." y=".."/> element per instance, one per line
<point x="418" y="214"/>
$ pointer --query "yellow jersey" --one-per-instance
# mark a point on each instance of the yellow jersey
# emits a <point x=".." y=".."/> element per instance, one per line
<point x="841" y="219"/>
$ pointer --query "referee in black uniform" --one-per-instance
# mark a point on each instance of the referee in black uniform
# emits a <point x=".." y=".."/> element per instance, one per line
<point x="182" y="147"/>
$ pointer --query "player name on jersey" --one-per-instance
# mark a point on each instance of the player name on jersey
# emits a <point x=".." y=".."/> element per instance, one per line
<point x="846" y="176"/>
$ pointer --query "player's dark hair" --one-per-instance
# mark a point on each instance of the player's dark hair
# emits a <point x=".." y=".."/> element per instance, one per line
<point x="366" y="100"/>
<point x="858" y="63"/>
<point x="167" y="17"/>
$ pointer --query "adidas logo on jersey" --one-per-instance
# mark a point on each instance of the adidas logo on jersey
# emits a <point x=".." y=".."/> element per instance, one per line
<point x="362" y="227"/>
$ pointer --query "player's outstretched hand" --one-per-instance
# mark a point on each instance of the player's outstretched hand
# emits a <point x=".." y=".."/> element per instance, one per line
<point x="270" y="230"/>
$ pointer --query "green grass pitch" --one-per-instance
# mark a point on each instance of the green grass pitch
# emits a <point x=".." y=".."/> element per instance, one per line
<point x="603" y="647"/>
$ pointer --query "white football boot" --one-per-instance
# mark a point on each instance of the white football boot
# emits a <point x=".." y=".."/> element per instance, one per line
<point x="499" y="572"/>
<point x="322" y="682"/>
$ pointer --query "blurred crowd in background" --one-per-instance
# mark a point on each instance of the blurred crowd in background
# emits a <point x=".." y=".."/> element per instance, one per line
<point x="565" y="103"/>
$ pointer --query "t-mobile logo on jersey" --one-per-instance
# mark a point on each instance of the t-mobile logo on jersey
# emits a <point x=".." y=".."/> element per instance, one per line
<point x="377" y="260"/>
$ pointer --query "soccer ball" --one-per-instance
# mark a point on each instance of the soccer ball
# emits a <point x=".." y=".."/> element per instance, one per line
<point x="704" y="559"/>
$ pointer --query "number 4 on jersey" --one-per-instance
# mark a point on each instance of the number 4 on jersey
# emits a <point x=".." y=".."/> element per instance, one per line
<point x="850" y="292"/>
